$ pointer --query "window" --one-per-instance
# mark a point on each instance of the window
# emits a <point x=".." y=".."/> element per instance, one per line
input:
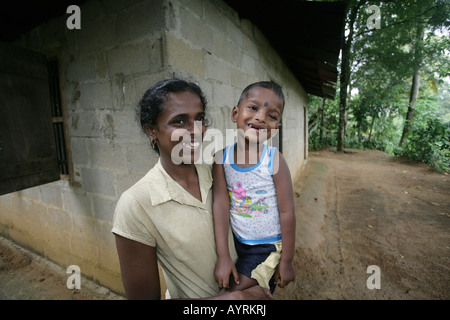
<point x="57" y="118"/>
<point x="28" y="154"/>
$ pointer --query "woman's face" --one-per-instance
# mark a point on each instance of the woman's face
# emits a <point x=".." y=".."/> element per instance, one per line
<point x="180" y="127"/>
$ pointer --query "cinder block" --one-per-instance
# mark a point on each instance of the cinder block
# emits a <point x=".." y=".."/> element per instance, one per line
<point x="238" y="79"/>
<point x="103" y="208"/>
<point x="216" y="69"/>
<point x="195" y="30"/>
<point x="104" y="154"/>
<point x="108" y="239"/>
<point x="86" y="251"/>
<point x="145" y="81"/>
<point x="214" y="17"/>
<point x="195" y="6"/>
<point x="57" y="246"/>
<point x="30" y="194"/>
<point x="100" y="66"/>
<point x="225" y="49"/>
<point x="79" y="151"/>
<point x="80" y="70"/>
<point x="235" y="34"/>
<point x="140" y="20"/>
<point x="84" y="123"/>
<point x="127" y="179"/>
<point x="248" y="65"/>
<point x="139" y="57"/>
<point x="182" y="55"/>
<point x="51" y="194"/>
<point x="95" y="95"/>
<point x="98" y="181"/>
<point x="223" y="95"/>
<point x="139" y="157"/>
<point x="76" y="203"/>
<point x="112" y="277"/>
<point x="96" y="34"/>
<point x="126" y="128"/>
<point x="60" y="220"/>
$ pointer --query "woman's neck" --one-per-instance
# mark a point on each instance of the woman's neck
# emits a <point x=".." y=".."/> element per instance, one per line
<point x="178" y="172"/>
<point x="184" y="174"/>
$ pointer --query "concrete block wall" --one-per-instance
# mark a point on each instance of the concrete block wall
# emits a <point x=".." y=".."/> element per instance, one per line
<point x="104" y="69"/>
<point x="224" y="54"/>
<point x="124" y="47"/>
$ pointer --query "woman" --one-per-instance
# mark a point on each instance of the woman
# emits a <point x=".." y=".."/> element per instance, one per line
<point x="166" y="216"/>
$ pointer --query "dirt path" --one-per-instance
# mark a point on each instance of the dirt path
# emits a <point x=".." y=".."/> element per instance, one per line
<point x="367" y="208"/>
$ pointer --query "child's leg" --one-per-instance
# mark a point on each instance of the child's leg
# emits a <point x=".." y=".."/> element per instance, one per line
<point x="244" y="283"/>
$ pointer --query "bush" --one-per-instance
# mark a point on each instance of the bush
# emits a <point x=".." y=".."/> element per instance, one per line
<point x="429" y="143"/>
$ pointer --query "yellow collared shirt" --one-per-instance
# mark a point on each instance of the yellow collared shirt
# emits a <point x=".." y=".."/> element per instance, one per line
<point x="158" y="212"/>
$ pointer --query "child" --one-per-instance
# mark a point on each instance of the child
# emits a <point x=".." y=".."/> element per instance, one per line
<point x="255" y="196"/>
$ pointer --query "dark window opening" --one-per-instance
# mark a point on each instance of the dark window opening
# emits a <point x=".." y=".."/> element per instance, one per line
<point x="57" y="117"/>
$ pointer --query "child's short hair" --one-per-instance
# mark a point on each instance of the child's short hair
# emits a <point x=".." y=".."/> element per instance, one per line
<point x="263" y="84"/>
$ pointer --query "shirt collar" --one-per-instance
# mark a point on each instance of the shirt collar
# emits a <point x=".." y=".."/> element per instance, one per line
<point x="163" y="188"/>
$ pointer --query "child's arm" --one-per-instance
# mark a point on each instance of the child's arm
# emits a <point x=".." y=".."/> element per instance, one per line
<point x="285" y="198"/>
<point x="221" y="211"/>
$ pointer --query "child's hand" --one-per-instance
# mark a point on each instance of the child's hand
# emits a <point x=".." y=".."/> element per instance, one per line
<point x="284" y="273"/>
<point x="224" y="268"/>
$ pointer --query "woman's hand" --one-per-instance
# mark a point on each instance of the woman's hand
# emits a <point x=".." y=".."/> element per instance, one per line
<point x="224" y="268"/>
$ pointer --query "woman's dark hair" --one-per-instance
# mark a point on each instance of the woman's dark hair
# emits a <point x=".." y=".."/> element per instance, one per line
<point x="151" y="104"/>
<point x="263" y="84"/>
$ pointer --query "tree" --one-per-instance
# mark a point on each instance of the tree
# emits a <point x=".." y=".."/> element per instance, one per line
<point x="404" y="47"/>
<point x="352" y="9"/>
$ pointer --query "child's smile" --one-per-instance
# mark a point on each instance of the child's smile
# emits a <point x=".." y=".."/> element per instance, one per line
<point x="258" y="114"/>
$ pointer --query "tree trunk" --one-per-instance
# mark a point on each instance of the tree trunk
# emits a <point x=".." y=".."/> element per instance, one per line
<point x="345" y="75"/>
<point x="321" y="121"/>
<point x="411" y="107"/>
<point x="370" y="131"/>
<point x="415" y="83"/>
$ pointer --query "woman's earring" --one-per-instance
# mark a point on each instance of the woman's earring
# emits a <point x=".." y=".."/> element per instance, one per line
<point x="153" y="143"/>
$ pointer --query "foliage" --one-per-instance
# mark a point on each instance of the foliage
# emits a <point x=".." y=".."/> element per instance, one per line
<point x="430" y="143"/>
<point x="383" y="62"/>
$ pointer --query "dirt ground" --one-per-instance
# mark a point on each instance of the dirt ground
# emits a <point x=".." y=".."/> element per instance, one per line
<point x="353" y="210"/>
<point x="26" y="276"/>
<point x="364" y="208"/>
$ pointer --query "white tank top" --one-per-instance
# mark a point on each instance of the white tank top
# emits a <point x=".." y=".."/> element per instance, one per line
<point x="254" y="215"/>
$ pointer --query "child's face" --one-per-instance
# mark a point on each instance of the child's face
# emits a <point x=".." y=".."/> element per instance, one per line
<point x="258" y="114"/>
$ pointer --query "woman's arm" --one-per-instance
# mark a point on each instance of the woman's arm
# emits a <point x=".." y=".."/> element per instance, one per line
<point x="285" y="198"/>
<point x="139" y="269"/>
<point x="221" y="211"/>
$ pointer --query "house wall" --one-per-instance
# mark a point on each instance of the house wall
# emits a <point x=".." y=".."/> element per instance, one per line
<point x="123" y="48"/>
